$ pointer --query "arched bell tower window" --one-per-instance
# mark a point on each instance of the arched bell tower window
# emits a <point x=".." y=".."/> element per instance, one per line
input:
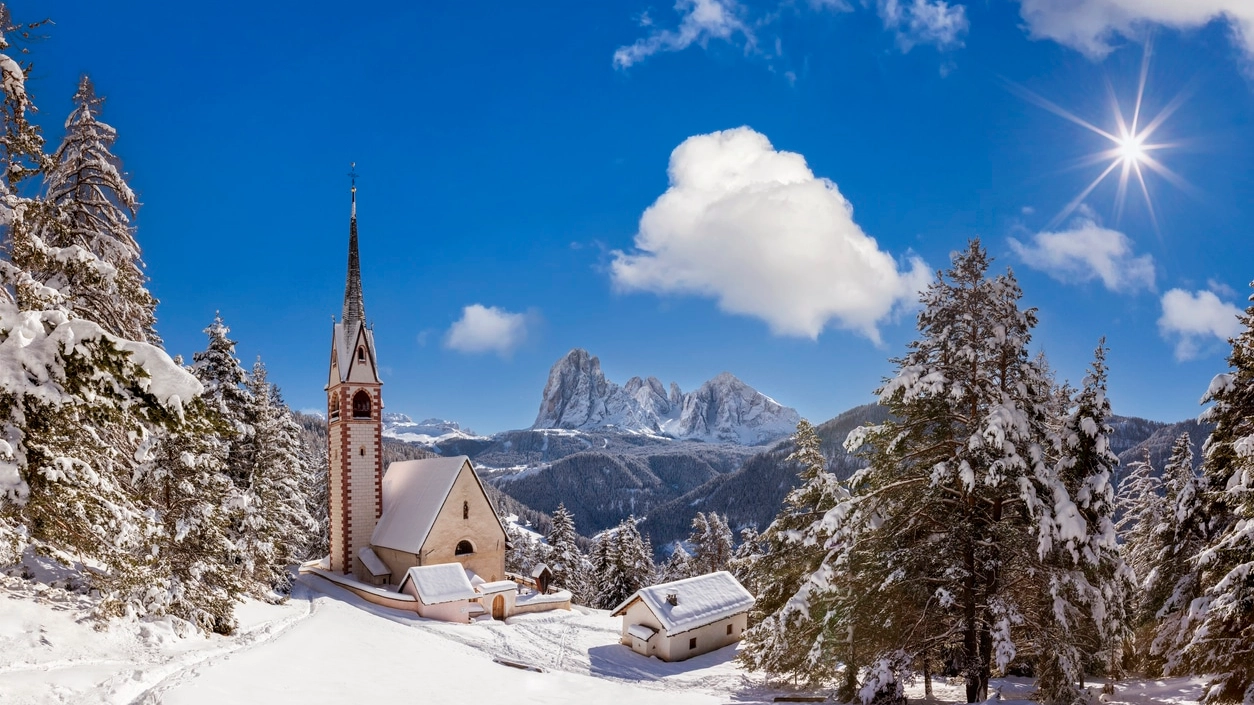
<point x="465" y="510"/>
<point x="361" y="405"/>
<point x="463" y="548"/>
<point x="361" y="354"/>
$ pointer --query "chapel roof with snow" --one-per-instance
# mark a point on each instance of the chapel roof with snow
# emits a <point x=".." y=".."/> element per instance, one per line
<point x="698" y="601"/>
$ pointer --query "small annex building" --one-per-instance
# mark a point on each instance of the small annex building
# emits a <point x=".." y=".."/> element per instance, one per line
<point x="435" y="511"/>
<point x="685" y="618"/>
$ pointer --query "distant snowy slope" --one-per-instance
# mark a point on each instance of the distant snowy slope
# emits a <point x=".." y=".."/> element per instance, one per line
<point x="427" y="432"/>
<point x="578" y="396"/>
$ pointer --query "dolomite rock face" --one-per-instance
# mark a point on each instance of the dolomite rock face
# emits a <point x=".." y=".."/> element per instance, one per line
<point x="577" y="396"/>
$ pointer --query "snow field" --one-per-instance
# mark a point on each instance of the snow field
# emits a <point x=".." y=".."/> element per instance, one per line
<point x="327" y="646"/>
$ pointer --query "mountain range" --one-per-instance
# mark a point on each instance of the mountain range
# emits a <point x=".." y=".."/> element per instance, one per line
<point x="608" y="451"/>
<point x="577" y="396"/>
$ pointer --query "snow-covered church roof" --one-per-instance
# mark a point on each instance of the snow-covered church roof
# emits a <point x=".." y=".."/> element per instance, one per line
<point x="698" y="601"/>
<point x="414" y="491"/>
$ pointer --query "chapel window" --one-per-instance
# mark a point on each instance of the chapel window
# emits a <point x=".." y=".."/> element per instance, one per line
<point x="361" y="354"/>
<point x="463" y="548"/>
<point x="361" y="405"/>
<point x="465" y="510"/>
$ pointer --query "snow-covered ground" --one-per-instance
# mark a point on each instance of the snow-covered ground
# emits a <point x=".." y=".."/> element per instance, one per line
<point x="327" y="646"/>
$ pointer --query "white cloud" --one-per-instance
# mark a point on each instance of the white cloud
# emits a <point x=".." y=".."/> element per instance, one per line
<point x="756" y="230"/>
<point x="1196" y="317"/>
<point x="487" y="329"/>
<point x="700" y="21"/>
<point x="1091" y="26"/>
<point x="916" y="22"/>
<point x="1085" y="252"/>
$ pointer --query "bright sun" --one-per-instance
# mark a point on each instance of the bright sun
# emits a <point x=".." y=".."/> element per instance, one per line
<point x="1130" y="150"/>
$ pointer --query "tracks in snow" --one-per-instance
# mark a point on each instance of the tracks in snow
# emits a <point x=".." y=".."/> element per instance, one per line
<point x="177" y="673"/>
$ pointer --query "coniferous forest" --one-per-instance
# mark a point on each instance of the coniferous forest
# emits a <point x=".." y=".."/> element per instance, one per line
<point x="176" y="487"/>
<point x="989" y="529"/>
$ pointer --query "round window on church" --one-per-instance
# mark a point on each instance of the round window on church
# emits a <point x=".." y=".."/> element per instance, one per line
<point x="361" y="405"/>
<point x="463" y="547"/>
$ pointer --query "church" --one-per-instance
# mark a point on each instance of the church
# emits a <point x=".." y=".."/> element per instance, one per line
<point x="389" y="530"/>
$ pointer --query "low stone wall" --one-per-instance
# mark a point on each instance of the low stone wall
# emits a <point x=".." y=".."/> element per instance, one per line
<point x="525" y="607"/>
<point x="369" y="593"/>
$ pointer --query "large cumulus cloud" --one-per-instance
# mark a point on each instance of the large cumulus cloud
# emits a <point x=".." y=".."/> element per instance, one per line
<point x="753" y="228"/>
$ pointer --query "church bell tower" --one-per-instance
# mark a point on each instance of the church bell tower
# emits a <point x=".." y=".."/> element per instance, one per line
<point x="354" y="422"/>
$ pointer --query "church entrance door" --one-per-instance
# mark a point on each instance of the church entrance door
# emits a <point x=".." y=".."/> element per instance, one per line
<point x="498" y="607"/>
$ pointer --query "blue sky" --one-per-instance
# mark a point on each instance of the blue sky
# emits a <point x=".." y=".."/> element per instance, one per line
<point x="507" y="154"/>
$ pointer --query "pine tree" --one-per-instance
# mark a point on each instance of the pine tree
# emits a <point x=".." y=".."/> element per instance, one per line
<point x="628" y="564"/>
<point x="679" y="565"/>
<point x="564" y="557"/>
<point x="947" y="525"/>
<point x="1142" y="510"/>
<point x="192" y="570"/>
<point x="224" y="378"/>
<point x="783" y="632"/>
<point x="92" y="207"/>
<point x="274" y="526"/>
<point x="712" y="543"/>
<point x="1089" y="581"/>
<point x="1221" y="635"/>
<point x="79" y="408"/>
<point x="1171" y="582"/>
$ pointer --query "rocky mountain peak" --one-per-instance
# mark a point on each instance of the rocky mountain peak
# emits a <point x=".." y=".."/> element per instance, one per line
<point x="725" y="409"/>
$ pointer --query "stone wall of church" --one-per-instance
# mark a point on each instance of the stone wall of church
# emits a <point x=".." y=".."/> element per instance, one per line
<point x="481" y="529"/>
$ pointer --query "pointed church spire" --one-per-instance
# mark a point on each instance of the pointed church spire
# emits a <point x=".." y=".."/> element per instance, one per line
<point x="354" y="305"/>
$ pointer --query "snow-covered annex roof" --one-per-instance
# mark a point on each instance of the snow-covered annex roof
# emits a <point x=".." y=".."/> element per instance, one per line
<point x="414" y="491"/>
<point x="443" y="582"/>
<point x="698" y="601"/>
<point x="373" y="563"/>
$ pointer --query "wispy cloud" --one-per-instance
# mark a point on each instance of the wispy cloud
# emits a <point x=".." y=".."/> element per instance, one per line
<point x="753" y="228"/>
<point x="700" y="22"/>
<point x="1087" y="251"/>
<point x="916" y="22"/>
<point x="1193" y="318"/>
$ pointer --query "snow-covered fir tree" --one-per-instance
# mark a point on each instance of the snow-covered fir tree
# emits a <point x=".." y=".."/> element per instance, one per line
<point x="783" y="634"/>
<point x="940" y="547"/>
<point x="79" y="408"/>
<point x="627" y="564"/>
<point x="678" y="565"/>
<point x="274" y="527"/>
<point x="570" y="568"/>
<point x="226" y="393"/>
<point x="1171" y="581"/>
<point x="1083" y="611"/>
<point x="1142" y="509"/>
<point x="1221" y="634"/>
<point x="92" y="207"/>
<point x="192" y="570"/>
<point x="712" y="543"/>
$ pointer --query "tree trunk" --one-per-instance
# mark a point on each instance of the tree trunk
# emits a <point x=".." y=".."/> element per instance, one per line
<point x="927" y="675"/>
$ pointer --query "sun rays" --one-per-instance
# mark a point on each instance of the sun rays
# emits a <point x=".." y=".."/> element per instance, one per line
<point x="1131" y="151"/>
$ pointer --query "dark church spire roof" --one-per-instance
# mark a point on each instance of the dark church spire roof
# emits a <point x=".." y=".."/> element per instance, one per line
<point x="354" y="305"/>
